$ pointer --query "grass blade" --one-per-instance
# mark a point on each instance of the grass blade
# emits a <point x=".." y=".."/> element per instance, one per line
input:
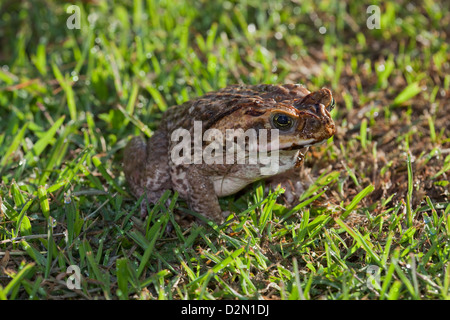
<point x="356" y="200"/>
<point x="17" y="279"/>
<point x="43" y="142"/>
<point x="13" y="147"/>
<point x="409" y="92"/>
<point x="363" y="243"/>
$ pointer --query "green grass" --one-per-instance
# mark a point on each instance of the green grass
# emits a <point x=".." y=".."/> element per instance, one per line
<point x="71" y="99"/>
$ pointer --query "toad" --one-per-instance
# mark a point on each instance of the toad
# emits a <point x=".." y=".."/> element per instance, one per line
<point x="217" y="144"/>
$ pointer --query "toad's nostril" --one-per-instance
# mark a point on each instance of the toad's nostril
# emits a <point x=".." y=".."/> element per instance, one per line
<point x="318" y="109"/>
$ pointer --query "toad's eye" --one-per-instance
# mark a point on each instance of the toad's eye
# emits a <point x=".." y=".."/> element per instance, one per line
<point x="282" y="121"/>
<point x="332" y="105"/>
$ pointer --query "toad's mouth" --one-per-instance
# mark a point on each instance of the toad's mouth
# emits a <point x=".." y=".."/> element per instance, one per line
<point x="296" y="147"/>
<point x="288" y="146"/>
<point x="302" y="146"/>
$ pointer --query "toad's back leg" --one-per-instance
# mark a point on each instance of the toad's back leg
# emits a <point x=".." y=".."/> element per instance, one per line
<point x="146" y="167"/>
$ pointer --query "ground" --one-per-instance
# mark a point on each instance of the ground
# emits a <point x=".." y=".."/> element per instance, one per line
<point x="374" y="224"/>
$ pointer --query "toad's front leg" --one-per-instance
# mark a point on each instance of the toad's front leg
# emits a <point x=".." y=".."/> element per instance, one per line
<point x="295" y="182"/>
<point x="198" y="190"/>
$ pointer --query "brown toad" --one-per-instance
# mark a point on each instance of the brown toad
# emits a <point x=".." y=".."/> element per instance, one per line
<point x="278" y="123"/>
